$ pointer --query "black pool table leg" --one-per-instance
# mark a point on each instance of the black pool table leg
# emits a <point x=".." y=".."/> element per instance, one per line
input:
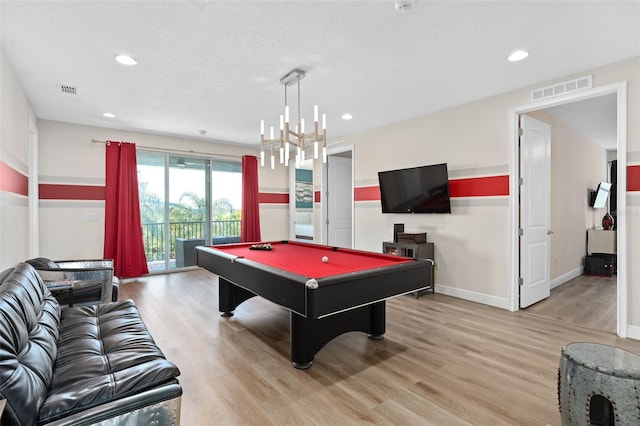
<point x="309" y="335"/>
<point x="378" y="321"/>
<point x="303" y="345"/>
<point x="230" y="296"/>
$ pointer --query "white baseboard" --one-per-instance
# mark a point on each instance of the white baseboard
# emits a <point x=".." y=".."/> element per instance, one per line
<point x="558" y="281"/>
<point x="633" y="332"/>
<point x="485" y="299"/>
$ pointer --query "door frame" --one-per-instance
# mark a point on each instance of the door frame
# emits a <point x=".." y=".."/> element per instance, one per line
<point x="333" y="149"/>
<point x="620" y="89"/>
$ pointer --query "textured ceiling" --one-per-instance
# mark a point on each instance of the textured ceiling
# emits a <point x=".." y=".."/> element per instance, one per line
<point x="216" y="65"/>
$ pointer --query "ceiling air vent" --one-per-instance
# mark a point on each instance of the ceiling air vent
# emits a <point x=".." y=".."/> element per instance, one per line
<point x="336" y="145"/>
<point x="67" y="90"/>
<point x="561" y="88"/>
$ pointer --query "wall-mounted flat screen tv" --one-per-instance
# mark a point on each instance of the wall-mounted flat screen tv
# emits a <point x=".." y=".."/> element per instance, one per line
<point x="415" y="190"/>
<point x="599" y="196"/>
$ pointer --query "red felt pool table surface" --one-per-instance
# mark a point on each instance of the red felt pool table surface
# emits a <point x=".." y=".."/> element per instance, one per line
<point x="306" y="259"/>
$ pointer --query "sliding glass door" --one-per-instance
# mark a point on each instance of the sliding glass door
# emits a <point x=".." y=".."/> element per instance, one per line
<point x="179" y="210"/>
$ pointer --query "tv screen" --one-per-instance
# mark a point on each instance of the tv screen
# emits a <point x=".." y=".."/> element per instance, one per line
<point x="415" y="190"/>
<point x="602" y="193"/>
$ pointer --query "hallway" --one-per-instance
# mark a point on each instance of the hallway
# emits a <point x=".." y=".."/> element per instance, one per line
<point x="588" y="301"/>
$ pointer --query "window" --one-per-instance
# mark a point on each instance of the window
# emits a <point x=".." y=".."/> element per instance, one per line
<point x="186" y="202"/>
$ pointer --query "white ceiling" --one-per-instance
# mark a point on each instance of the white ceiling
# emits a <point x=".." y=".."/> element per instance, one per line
<point x="216" y="65"/>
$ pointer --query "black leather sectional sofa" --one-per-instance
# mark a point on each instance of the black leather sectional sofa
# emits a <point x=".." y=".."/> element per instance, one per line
<point x="79" y="365"/>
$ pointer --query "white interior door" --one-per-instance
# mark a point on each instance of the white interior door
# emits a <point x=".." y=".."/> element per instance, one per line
<point x="535" y="210"/>
<point x="339" y="199"/>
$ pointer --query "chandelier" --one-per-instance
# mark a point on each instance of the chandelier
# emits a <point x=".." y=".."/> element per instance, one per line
<point x="301" y="140"/>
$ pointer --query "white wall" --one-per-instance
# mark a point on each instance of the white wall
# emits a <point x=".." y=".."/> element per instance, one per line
<point x="14" y="159"/>
<point x="274" y="215"/>
<point x="68" y="157"/>
<point x="472" y="244"/>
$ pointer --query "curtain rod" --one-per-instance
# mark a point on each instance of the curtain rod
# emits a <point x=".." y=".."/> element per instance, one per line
<point x="175" y="150"/>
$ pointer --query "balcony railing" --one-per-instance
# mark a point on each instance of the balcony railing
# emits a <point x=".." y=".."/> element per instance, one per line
<point x="154" y="235"/>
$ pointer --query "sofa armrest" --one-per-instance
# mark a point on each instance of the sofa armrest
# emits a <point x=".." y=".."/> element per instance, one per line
<point x="160" y="405"/>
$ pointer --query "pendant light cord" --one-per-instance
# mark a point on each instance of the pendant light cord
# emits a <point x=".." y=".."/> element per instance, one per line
<point x="299" y="103"/>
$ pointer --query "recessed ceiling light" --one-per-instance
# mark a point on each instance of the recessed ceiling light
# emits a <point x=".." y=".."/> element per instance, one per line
<point x="125" y="60"/>
<point x="518" y="55"/>
<point x="108" y="115"/>
<point x="347" y="116"/>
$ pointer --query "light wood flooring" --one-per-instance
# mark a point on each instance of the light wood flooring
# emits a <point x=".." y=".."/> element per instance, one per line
<point x="444" y="361"/>
<point x="586" y="300"/>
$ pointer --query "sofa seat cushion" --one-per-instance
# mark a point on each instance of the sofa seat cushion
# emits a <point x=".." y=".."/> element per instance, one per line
<point x="104" y="353"/>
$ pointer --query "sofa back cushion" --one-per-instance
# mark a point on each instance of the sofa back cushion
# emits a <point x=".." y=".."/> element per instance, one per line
<point x="29" y="330"/>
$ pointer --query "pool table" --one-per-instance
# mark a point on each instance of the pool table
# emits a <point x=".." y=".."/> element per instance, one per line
<point x="347" y="292"/>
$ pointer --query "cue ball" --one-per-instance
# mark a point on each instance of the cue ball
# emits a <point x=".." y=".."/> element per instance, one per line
<point x="325" y="259"/>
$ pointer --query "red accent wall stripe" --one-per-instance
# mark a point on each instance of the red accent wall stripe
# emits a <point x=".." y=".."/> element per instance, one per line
<point x="272" y="198"/>
<point x="49" y="191"/>
<point x="470" y="187"/>
<point x="479" y="187"/>
<point x="12" y="180"/>
<point x="366" y="193"/>
<point x="633" y="178"/>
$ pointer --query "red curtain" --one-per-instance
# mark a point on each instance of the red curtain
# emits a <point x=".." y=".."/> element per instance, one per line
<point x="122" y="224"/>
<point x="250" y="224"/>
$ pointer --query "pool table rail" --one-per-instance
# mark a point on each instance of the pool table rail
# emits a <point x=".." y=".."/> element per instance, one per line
<point x="275" y="285"/>
<point x="346" y="291"/>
